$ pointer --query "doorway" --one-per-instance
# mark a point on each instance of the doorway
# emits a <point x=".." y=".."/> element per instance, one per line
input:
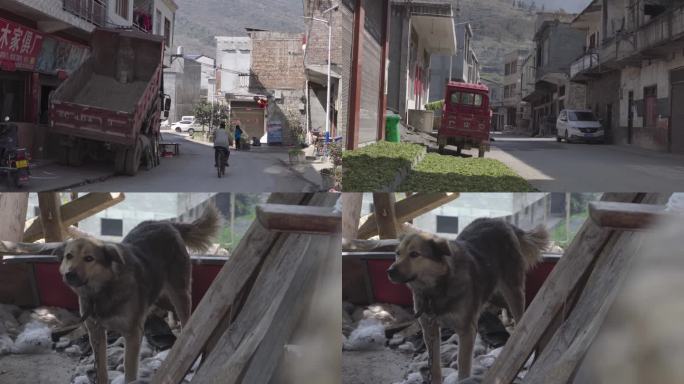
<point x="630" y="116"/>
<point x="677" y="119"/>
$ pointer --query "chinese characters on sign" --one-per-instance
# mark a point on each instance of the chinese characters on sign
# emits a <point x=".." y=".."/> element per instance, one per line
<point x="19" y="45"/>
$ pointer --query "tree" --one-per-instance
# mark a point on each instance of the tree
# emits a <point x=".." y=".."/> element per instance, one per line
<point x="206" y="114"/>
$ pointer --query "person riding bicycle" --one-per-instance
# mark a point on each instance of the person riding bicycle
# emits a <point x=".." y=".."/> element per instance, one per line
<point x="221" y="143"/>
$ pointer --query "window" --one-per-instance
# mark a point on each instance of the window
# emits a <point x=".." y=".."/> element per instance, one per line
<point x="167" y="32"/>
<point x="122" y="8"/>
<point x="467" y="98"/>
<point x="447" y="224"/>
<point x="581" y="116"/>
<point x="111" y="227"/>
<point x="561" y="91"/>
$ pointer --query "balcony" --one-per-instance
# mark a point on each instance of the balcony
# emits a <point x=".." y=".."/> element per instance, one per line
<point x="584" y="65"/>
<point x="92" y="11"/>
<point x="651" y="40"/>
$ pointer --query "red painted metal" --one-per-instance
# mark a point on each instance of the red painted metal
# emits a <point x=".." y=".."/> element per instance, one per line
<point x="462" y="121"/>
<point x="102" y="124"/>
<point x="54" y="293"/>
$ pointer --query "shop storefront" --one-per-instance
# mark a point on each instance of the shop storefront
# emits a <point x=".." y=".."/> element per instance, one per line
<point x="32" y="65"/>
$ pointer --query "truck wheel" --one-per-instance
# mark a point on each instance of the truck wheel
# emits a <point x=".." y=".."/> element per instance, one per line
<point x="147" y="152"/>
<point x="459" y="149"/>
<point x="120" y="161"/>
<point x="63" y="155"/>
<point x="481" y="152"/>
<point x="133" y="156"/>
<point x="75" y="155"/>
<point x="440" y="150"/>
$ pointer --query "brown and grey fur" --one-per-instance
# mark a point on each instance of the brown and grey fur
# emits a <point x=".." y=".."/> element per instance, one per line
<point x="452" y="280"/>
<point x="117" y="283"/>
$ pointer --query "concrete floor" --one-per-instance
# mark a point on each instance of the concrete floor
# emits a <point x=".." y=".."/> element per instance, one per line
<point x="560" y="167"/>
<point x="34" y="369"/>
<point x="263" y="169"/>
<point x="385" y="366"/>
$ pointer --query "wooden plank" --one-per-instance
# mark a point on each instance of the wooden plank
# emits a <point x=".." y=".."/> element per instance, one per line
<point x="298" y="218"/>
<point x="351" y="214"/>
<point x="559" y="360"/>
<point x="407" y="210"/>
<point x="17" y="285"/>
<point x="12" y="248"/>
<point x="248" y="255"/>
<point x="75" y="211"/>
<point x="387" y="245"/>
<point x="51" y="217"/>
<point x="235" y="348"/>
<point x="264" y="362"/>
<point x="626" y="216"/>
<point x="385" y="216"/>
<point x="566" y="349"/>
<point x="586" y="245"/>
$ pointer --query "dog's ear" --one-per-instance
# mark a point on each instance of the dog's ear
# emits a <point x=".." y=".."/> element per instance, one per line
<point x="113" y="253"/>
<point x="440" y="247"/>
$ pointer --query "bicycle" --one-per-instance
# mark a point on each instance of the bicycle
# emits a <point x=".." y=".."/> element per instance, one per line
<point x="221" y="164"/>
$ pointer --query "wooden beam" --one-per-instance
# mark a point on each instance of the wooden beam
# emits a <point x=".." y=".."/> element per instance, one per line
<point x="18" y="281"/>
<point x="75" y="211"/>
<point x="408" y="209"/>
<point x="586" y="246"/>
<point x="355" y="83"/>
<point x="13" y="208"/>
<point x="218" y="300"/>
<point x="300" y="219"/>
<point x="283" y="269"/>
<point x="12" y="248"/>
<point x="51" y="216"/>
<point x="389" y="245"/>
<point x="625" y="216"/>
<point x="385" y="216"/>
<point x="351" y="214"/>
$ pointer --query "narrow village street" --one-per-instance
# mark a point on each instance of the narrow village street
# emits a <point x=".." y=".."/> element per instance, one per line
<point x="260" y="169"/>
<point x="551" y="166"/>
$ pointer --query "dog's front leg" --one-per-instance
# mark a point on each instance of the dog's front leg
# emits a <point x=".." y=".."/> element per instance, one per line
<point x="132" y="354"/>
<point x="98" y="341"/>
<point x="466" y="343"/>
<point x="432" y="344"/>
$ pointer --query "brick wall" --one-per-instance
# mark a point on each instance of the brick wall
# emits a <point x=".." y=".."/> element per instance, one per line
<point x="278" y="66"/>
<point x="277" y="60"/>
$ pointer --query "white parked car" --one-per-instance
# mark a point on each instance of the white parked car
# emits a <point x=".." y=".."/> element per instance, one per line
<point x="579" y="125"/>
<point x="165" y="124"/>
<point x="185" y="126"/>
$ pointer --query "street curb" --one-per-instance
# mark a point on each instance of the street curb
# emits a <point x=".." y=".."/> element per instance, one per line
<point x="93" y="180"/>
<point x="316" y="187"/>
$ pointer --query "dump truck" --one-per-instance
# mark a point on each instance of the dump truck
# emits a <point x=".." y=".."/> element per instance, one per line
<point x="110" y="108"/>
<point x="466" y="118"/>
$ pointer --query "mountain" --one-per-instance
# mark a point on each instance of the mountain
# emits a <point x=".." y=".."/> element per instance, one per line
<point x="198" y="21"/>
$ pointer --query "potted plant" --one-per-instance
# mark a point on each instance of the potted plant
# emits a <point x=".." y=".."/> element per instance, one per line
<point x="296" y="155"/>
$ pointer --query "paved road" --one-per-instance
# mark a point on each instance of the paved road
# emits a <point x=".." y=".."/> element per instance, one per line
<point x="560" y="167"/>
<point x="263" y="169"/>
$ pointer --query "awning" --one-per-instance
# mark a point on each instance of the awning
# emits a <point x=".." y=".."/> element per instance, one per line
<point x="318" y="73"/>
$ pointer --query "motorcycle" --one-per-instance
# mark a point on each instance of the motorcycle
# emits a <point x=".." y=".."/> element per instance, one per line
<point x="14" y="161"/>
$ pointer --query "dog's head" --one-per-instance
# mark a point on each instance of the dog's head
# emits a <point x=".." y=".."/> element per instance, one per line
<point x="420" y="258"/>
<point x="89" y="264"/>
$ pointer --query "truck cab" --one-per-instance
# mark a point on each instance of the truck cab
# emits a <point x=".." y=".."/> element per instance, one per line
<point x="466" y="117"/>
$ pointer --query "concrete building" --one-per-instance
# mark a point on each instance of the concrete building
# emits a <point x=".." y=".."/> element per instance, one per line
<point x="277" y="70"/>
<point x="208" y="77"/>
<point x="557" y="44"/>
<point x="182" y="82"/>
<point x="419" y="31"/>
<point x="464" y="65"/>
<point x="513" y="62"/>
<point x="635" y="72"/>
<point x="153" y="16"/>
<point x="233" y="61"/>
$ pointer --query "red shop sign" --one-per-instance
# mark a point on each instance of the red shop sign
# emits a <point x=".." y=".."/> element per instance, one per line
<point x="19" y="45"/>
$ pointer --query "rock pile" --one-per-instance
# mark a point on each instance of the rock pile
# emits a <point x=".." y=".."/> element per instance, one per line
<point x="362" y="330"/>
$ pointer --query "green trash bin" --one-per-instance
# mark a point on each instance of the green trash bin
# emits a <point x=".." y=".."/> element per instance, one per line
<point x="392" y="128"/>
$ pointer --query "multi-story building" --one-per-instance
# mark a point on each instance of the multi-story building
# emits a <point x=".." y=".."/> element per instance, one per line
<point x="464" y="65"/>
<point x="512" y="85"/>
<point x="557" y="44"/>
<point x="182" y="82"/>
<point x="420" y="30"/>
<point x="635" y="70"/>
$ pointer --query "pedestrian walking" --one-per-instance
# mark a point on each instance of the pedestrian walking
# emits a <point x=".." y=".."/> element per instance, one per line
<point x="238" y="136"/>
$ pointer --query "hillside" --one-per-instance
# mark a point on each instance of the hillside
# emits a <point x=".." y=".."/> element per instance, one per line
<point x="198" y="21"/>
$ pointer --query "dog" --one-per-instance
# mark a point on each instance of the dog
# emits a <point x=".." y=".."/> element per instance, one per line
<point x="451" y="281"/>
<point x="117" y="283"/>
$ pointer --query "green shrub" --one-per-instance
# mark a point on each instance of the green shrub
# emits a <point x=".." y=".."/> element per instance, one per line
<point x="455" y="174"/>
<point x="374" y="167"/>
<point x="435" y="105"/>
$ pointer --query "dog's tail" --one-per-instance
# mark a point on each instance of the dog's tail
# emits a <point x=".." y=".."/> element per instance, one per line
<point x="198" y="234"/>
<point x="532" y="243"/>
